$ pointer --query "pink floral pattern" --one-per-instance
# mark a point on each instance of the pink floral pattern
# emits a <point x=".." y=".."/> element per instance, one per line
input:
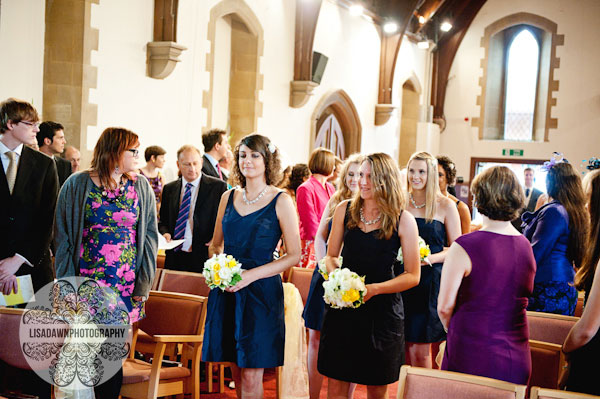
<point x="108" y="249"/>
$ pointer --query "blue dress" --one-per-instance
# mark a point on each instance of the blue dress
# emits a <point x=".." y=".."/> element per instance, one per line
<point x="248" y="327"/>
<point x="548" y="231"/>
<point x="422" y="323"/>
<point x="315" y="305"/>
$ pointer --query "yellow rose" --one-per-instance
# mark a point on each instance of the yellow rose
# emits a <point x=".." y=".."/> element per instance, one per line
<point x="231" y="264"/>
<point x="217" y="267"/>
<point x="424" y="252"/>
<point x="217" y="278"/>
<point x="351" y="295"/>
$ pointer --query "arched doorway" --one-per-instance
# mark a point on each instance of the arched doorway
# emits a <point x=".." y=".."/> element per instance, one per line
<point x="408" y="124"/>
<point x="336" y="125"/>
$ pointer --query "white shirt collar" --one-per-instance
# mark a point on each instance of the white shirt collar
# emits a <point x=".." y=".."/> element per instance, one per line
<point x="195" y="183"/>
<point x="4" y="148"/>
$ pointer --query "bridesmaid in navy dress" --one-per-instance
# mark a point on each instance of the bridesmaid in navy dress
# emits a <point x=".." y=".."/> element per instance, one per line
<point x="439" y="225"/>
<point x="314" y="308"/>
<point x="486" y="281"/>
<point x="245" y="324"/>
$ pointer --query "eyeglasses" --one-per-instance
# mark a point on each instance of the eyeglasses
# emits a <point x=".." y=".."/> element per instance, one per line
<point x="134" y="151"/>
<point x="36" y="124"/>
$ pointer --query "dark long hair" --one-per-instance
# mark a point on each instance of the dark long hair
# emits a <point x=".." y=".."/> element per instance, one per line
<point x="113" y="142"/>
<point x="263" y="145"/>
<point x="564" y="185"/>
<point x="585" y="274"/>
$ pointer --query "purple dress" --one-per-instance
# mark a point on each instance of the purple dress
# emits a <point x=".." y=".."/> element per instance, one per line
<point x="488" y="334"/>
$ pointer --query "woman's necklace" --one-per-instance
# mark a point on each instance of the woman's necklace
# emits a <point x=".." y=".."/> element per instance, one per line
<point x="412" y="201"/>
<point x="368" y="222"/>
<point x="255" y="200"/>
<point x="106" y="192"/>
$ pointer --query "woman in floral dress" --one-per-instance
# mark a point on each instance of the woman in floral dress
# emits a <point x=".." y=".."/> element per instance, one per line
<point x="106" y="228"/>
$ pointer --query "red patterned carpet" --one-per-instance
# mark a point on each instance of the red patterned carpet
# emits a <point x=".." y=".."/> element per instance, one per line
<point x="360" y="393"/>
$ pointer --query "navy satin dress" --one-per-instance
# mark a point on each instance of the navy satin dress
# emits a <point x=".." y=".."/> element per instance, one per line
<point x="422" y="323"/>
<point x="248" y="327"/>
<point x="548" y="231"/>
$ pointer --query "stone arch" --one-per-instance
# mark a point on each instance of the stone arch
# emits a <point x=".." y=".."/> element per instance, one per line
<point x="547" y="85"/>
<point x="411" y="92"/>
<point x="249" y="105"/>
<point x="341" y="105"/>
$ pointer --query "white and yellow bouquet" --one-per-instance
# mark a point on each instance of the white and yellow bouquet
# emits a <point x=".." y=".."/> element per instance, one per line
<point x="222" y="271"/>
<point x="322" y="268"/>
<point x="344" y="289"/>
<point x="424" y="252"/>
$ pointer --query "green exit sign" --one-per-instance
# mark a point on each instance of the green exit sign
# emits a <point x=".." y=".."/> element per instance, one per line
<point x="512" y="152"/>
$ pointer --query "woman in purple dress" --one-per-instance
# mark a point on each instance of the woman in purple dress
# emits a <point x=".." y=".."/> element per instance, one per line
<point x="487" y="279"/>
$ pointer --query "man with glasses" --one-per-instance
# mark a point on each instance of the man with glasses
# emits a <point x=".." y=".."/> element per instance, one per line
<point x="51" y="141"/>
<point x="28" y="193"/>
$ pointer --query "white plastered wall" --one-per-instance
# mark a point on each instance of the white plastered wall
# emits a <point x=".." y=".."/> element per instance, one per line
<point x="578" y="97"/>
<point x="22" y="48"/>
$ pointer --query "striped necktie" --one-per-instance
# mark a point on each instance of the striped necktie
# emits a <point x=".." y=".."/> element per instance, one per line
<point x="184" y="212"/>
<point x="219" y="170"/>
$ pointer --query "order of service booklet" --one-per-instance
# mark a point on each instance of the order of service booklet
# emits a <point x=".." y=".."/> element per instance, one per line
<point x="24" y="293"/>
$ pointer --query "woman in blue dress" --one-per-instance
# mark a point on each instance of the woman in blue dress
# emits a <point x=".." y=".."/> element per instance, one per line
<point x="557" y="232"/>
<point x="439" y="225"/>
<point x="245" y="324"/>
<point x="315" y="306"/>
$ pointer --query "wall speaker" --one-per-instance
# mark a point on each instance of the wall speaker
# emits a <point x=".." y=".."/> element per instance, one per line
<point x="318" y="66"/>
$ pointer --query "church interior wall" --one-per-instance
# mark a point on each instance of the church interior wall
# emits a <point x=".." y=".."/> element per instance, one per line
<point x="578" y="101"/>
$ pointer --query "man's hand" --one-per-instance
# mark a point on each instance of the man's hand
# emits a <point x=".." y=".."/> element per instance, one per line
<point x="167" y="237"/>
<point x="9" y="285"/>
<point x="9" y="266"/>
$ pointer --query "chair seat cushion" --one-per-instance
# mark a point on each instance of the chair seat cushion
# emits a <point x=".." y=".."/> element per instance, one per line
<point x="135" y="371"/>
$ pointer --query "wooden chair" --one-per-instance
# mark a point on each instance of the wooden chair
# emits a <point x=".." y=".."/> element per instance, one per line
<point x="549" y="327"/>
<point x="10" y="347"/>
<point x="421" y="383"/>
<point x="184" y="282"/>
<point x="579" y="306"/>
<point x="156" y="280"/>
<point x="171" y="318"/>
<point x="547" y="332"/>
<point x="301" y="278"/>
<point x="543" y="393"/>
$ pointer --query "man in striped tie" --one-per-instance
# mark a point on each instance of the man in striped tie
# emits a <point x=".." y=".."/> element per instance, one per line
<point x="189" y="210"/>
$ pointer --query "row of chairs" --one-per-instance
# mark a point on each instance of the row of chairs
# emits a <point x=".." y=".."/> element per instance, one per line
<point x="420" y="383"/>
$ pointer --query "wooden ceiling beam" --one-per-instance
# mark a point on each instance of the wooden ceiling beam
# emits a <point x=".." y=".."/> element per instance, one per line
<point x="463" y="12"/>
<point x="427" y="10"/>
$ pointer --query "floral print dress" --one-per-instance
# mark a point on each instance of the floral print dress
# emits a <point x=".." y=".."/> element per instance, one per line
<point x="108" y="245"/>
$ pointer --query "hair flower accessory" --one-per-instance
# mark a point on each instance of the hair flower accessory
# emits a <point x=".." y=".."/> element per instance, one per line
<point x="557" y="157"/>
<point x="272" y="148"/>
<point x="593" y="163"/>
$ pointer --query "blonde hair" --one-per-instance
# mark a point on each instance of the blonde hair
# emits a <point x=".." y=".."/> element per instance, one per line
<point x="343" y="192"/>
<point x="387" y="192"/>
<point x="432" y="187"/>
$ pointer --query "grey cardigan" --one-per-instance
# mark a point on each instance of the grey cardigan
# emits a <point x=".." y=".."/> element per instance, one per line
<point x="68" y="228"/>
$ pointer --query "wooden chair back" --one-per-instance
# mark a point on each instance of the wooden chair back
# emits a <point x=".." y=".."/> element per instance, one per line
<point x="421" y="383"/>
<point x="184" y="282"/>
<point x="548" y="327"/>
<point x="301" y="278"/>
<point x="543" y="393"/>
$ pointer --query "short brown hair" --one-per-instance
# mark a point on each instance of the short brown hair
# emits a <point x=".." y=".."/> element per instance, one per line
<point x="15" y="111"/>
<point x="113" y="142"/>
<point x="212" y="138"/>
<point x="321" y="161"/>
<point x="269" y="152"/>
<point x="155" y="151"/>
<point x="498" y="193"/>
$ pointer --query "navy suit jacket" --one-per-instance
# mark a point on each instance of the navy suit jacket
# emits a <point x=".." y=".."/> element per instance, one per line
<point x="205" y="215"/>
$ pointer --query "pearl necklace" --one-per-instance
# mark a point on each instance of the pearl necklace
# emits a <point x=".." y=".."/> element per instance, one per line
<point x="412" y="201"/>
<point x="255" y="200"/>
<point x="368" y="222"/>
